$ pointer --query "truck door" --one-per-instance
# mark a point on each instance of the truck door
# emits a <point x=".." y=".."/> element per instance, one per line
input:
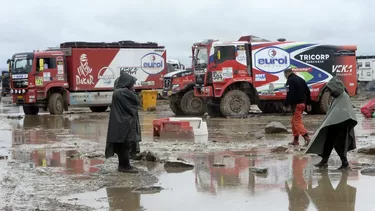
<point x="224" y="63"/>
<point x="50" y="70"/>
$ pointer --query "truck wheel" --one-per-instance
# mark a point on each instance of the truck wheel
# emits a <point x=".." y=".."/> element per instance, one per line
<point x="235" y="103"/>
<point x="98" y="109"/>
<point x="56" y="104"/>
<point x="325" y="102"/>
<point x="31" y="110"/>
<point x="175" y="105"/>
<point x="193" y="106"/>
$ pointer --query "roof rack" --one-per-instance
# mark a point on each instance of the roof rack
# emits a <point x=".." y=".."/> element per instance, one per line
<point x="119" y="44"/>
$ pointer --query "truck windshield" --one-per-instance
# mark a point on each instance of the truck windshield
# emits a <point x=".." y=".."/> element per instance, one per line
<point x="202" y="57"/>
<point x="22" y="65"/>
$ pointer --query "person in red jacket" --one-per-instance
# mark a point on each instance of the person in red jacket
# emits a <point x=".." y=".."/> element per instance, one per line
<point x="297" y="99"/>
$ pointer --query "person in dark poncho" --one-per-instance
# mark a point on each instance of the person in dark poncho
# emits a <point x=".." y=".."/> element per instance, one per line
<point x="124" y="131"/>
<point x="337" y="129"/>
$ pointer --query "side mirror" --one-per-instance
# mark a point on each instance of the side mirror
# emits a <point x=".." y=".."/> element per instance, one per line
<point x="8" y="61"/>
<point x="41" y="65"/>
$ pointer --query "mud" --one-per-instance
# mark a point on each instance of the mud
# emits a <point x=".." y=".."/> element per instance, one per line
<point x="57" y="163"/>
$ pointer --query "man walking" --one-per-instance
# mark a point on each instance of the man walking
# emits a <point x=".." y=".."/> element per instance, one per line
<point x="297" y="98"/>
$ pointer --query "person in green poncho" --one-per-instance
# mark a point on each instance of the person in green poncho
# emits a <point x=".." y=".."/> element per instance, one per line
<point x="337" y="129"/>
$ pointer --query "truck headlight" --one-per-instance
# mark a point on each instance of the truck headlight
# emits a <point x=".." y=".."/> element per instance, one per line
<point x="11" y="91"/>
<point x="23" y="91"/>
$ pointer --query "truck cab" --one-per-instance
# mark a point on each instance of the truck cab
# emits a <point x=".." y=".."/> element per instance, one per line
<point x="227" y="71"/>
<point x="33" y="75"/>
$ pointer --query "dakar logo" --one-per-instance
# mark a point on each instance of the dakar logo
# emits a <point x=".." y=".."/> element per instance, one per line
<point x="84" y="72"/>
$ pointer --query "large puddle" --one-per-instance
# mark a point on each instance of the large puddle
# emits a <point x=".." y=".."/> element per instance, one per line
<point x="290" y="184"/>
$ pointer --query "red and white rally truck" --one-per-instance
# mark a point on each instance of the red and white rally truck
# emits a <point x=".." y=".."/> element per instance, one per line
<point x="179" y="84"/>
<point x="234" y="75"/>
<point x="82" y="74"/>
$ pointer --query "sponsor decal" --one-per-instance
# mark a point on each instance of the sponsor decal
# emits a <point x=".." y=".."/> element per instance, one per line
<point x="314" y="58"/>
<point x="227" y="72"/>
<point x="152" y="63"/>
<point x="129" y="70"/>
<point x="60" y="77"/>
<point x="84" y="72"/>
<point x="60" y="65"/>
<point x="272" y="60"/>
<point x="19" y="76"/>
<point x="299" y="70"/>
<point x="260" y="77"/>
<point x="46" y="76"/>
<point x="217" y="76"/>
<point x="342" y="70"/>
<point x="106" y="74"/>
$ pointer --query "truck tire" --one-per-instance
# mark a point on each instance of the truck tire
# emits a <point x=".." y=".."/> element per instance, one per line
<point x="98" y="109"/>
<point x="193" y="106"/>
<point x="325" y="102"/>
<point x="56" y="104"/>
<point x="31" y="110"/>
<point x="175" y="105"/>
<point x="235" y="103"/>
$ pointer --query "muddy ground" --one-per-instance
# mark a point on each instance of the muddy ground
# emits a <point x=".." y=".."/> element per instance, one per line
<point x="57" y="163"/>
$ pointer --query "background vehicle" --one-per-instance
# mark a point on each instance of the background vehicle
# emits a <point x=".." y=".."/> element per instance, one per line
<point x="5" y="83"/>
<point x="366" y="72"/>
<point x="179" y="85"/>
<point x="241" y="73"/>
<point x="82" y="74"/>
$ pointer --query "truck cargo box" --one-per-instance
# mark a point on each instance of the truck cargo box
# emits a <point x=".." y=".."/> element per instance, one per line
<point x="91" y="69"/>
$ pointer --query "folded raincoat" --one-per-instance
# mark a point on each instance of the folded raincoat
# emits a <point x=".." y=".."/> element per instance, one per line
<point x="124" y="126"/>
<point x="340" y="112"/>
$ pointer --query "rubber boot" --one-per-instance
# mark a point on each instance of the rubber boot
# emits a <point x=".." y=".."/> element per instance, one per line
<point x="295" y="141"/>
<point x="126" y="167"/>
<point x="322" y="164"/>
<point x="307" y="139"/>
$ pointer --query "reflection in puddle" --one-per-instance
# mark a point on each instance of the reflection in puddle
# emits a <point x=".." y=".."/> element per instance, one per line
<point x="64" y="159"/>
<point x="291" y="184"/>
<point x="123" y="199"/>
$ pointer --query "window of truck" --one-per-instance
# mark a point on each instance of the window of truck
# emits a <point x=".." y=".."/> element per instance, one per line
<point x="22" y="65"/>
<point x="49" y="63"/>
<point x="224" y="53"/>
<point x="202" y="57"/>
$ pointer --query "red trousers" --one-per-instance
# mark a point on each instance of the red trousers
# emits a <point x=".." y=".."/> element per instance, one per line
<point x="297" y="125"/>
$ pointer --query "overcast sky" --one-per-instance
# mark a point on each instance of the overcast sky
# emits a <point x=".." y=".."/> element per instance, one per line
<point x="27" y="25"/>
